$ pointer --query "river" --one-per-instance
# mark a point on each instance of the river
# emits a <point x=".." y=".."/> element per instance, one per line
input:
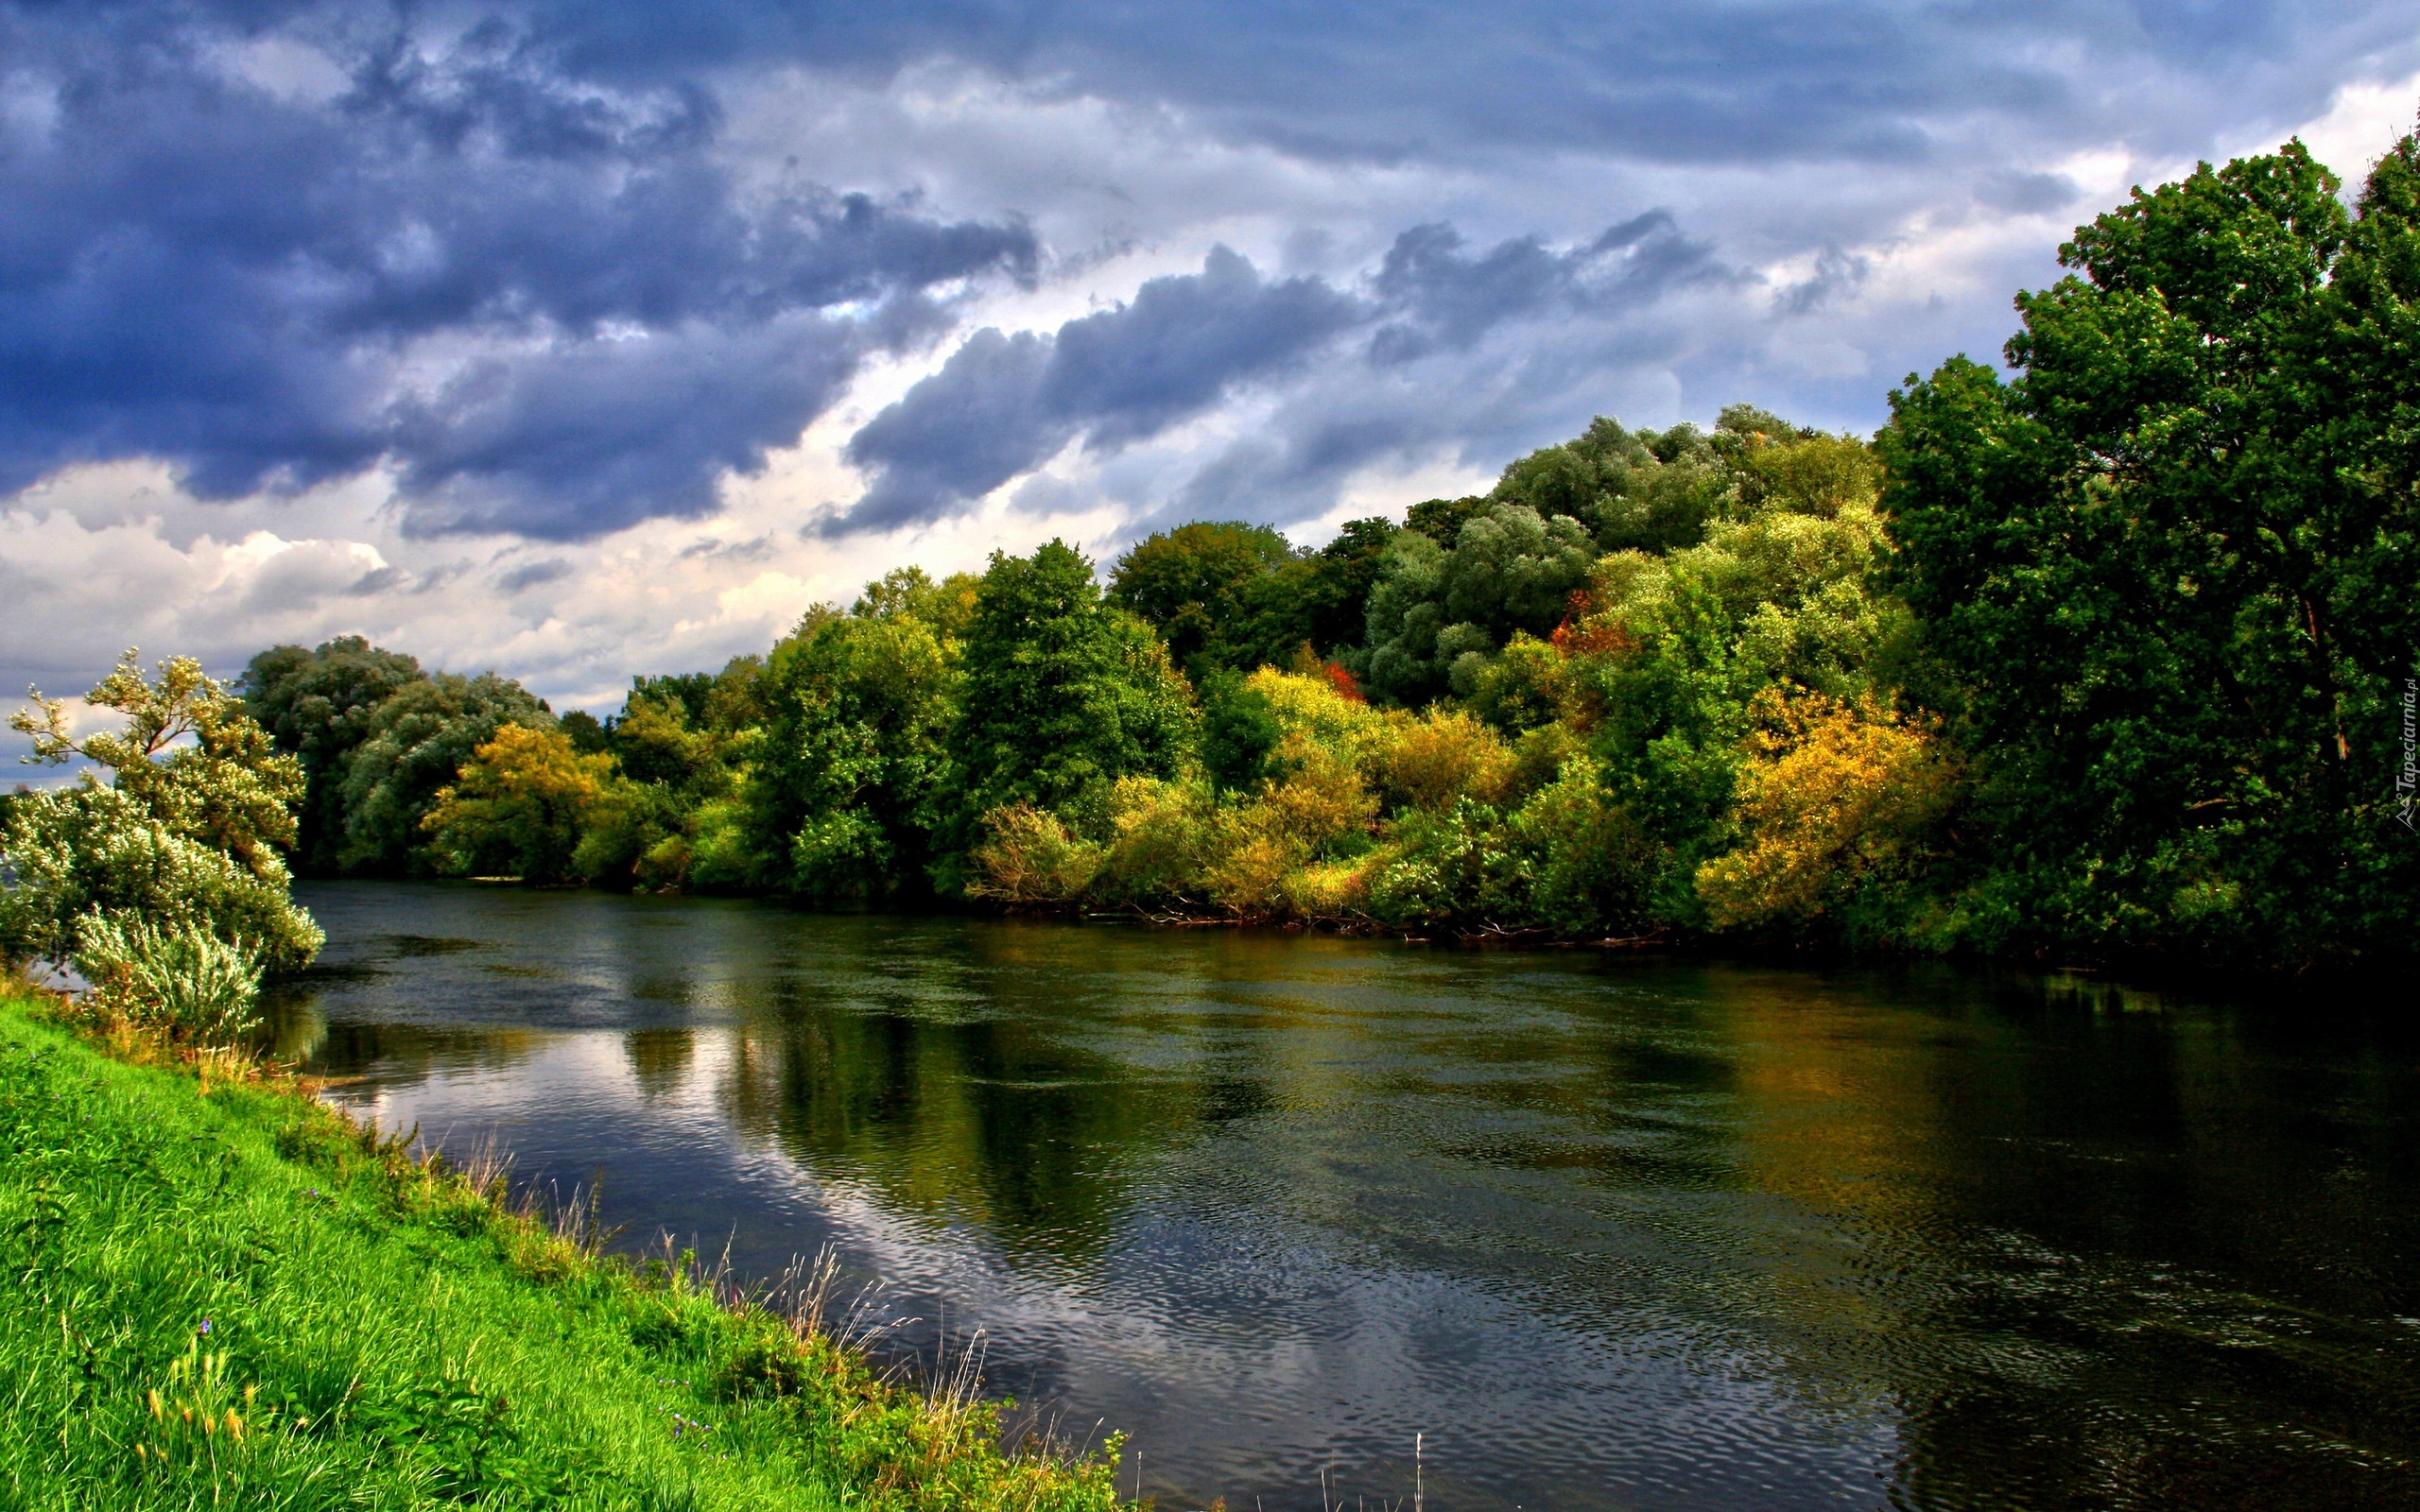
<point x="1604" y="1232"/>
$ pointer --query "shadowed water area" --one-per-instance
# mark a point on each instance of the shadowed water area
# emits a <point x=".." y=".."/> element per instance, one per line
<point x="1610" y="1233"/>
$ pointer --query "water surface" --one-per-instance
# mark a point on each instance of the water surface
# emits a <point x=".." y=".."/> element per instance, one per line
<point x="1609" y="1233"/>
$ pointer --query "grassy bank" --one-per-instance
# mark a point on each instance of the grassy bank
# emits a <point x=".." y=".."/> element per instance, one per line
<point x="220" y="1293"/>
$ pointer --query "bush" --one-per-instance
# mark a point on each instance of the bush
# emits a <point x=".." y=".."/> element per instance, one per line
<point x="1027" y="859"/>
<point x="1521" y="689"/>
<point x="1449" y="865"/>
<point x="1440" y="757"/>
<point x="86" y="852"/>
<point x="1835" y="803"/>
<point x="1163" y="839"/>
<point x="187" y="834"/>
<point x="177" y="977"/>
<point x="1592" y="868"/>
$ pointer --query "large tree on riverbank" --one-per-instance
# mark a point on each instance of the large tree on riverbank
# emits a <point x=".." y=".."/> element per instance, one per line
<point x="2173" y="564"/>
<point x="1064" y="695"/>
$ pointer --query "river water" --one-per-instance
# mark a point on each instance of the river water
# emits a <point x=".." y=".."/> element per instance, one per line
<point x="1607" y="1233"/>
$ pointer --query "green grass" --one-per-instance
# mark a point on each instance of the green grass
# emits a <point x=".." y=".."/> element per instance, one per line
<point x="215" y="1292"/>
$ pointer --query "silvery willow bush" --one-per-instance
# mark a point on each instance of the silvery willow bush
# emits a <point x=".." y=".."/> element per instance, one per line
<point x="182" y="839"/>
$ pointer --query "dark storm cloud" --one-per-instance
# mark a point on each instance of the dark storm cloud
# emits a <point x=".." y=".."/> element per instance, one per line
<point x="601" y="434"/>
<point x="956" y="435"/>
<point x="510" y="255"/>
<point x="548" y="307"/>
<point x="1446" y="297"/>
<point x="550" y="570"/>
<point x="1833" y="79"/>
<point x="1002" y="406"/>
<point x="1836" y="273"/>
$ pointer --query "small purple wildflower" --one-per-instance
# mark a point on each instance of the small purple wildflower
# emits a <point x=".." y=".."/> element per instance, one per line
<point x="205" y="1327"/>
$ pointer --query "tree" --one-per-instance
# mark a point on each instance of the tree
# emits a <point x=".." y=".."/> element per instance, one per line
<point x="518" y="806"/>
<point x="586" y="733"/>
<point x="183" y="840"/>
<point x="1341" y="575"/>
<point x="419" y="740"/>
<point x="1437" y="617"/>
<point x="2172" y="562"/>
<point x="1835" y="802"/>
<point x="943" y="606"/>
<point x="319" y="706"/>
<point x="228" y="788"/>
<point x="1190" y="583"/>
<point x="1442" y="520"/>
<point x="1064" y="695"/>
<point x="841" y="793"/>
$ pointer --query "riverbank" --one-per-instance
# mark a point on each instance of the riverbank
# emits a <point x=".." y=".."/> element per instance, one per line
<point x="223" y="1293"/>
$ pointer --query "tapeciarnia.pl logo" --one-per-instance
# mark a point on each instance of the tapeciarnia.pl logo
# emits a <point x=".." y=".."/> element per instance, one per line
<point x="2406" y="779"/>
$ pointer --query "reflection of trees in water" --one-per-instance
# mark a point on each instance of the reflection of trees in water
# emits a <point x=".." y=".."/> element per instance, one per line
<point x="291" y="1030"/>
<point x="408" y="1055"/>
<point x="979" y="1114"/>
<point x="660" y="1058"/>
<point x="2098" y="1258"/>
<point x="2080" y="1248"/>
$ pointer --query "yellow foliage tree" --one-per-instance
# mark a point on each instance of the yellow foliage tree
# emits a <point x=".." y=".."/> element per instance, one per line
<point x="1029" y="858"/>
<point x="1441" y="755"/>
<point x="518" y="806"/>
<point x="1311" y="711"/>
<point x="1836" y="796"/>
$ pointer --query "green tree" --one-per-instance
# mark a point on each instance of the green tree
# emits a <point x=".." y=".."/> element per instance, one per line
<point x="659" y="740"/>
<point x="943" y="606"/>
<point x="1442" y="520"/>
<point x="1239" y="734"/>
<point x="1190" y="583"/>
<point x="185" y="838"/>
<point x="419" y="740"/>
<point x="840" y="795"/>
<point x="586" y="733"/>
<point x="189" y="754"/>
<point x="1643" y="491"/>
<point x="1341" y="575"/>
<point x="2172" y="562"/>
<point x="1437" y="617"/>
<point x="518" y="806"/>
<point x="1064" y="695"/>
<point x="319" y="706"/>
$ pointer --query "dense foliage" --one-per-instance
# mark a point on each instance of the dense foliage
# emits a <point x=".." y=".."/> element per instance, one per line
<point x="2113" y="655"/>
<point x="377" y="738"/>
<point x="2171" y="568"/>
<point x="166" y="884"/>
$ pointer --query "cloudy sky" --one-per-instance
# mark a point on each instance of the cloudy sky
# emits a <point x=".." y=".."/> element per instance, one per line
<point x="577" y="340"/>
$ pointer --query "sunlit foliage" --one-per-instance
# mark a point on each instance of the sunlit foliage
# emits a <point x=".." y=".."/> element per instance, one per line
<point x="167" y="879"/>
<point x="518" y="808"/>
<point x="2103" y="658"/>
<point x="2171" y="565"/>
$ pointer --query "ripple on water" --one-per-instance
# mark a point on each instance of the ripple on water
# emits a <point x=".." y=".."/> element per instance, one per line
<point x="1622" y="1234"/>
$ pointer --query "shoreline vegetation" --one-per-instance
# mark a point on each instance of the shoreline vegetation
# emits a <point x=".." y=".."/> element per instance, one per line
<point x="2103" y="664"/>
<point x="2100" y="663"/>
<point x="224" y="1292"/>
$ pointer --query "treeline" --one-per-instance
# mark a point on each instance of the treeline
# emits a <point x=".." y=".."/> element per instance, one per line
<point x="2116" y="657"/>
<point x="1476" y="720"/>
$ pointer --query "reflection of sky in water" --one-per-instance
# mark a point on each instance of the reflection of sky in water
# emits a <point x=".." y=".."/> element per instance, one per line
<point x="1656" y="1236"/>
